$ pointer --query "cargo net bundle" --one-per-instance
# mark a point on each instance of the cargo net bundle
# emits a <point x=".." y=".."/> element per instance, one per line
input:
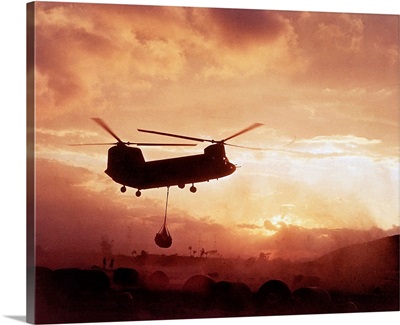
<point x="163" y="238"/>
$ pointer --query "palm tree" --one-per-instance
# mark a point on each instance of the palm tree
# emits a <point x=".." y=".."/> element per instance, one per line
<point x="263" y="256"/>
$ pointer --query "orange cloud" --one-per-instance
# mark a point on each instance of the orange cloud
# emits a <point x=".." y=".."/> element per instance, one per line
<point x="71" y="216"/>
<point x="328" y="80"/>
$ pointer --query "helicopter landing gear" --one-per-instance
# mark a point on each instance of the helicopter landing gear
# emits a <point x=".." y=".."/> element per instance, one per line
<point x="193" y="189"/>
<point x="123" y="189"/>
<point x="181" y="186"/>
<point x="138" y="193"/>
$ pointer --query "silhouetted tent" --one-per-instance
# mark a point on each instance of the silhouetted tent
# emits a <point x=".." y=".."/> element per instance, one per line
<point x="311" y="300"/>
<point x="45" y="294"/>
<point x="300" y="281"/>
<point x="232" y="296"/>
<point x="197" y="293"/>
<point x="43" y="276"/>
<point x="126" y="277"/>
<point x="349" y="307"/>
<point x="163" y="238"/>
<point x="76" y="288"/>
<point x="199" y="284"/>
<point x="44" y="285"/>
<point x="77" y="280"/>
<point x="274" y="297"/>
<point x="158" y="280"/>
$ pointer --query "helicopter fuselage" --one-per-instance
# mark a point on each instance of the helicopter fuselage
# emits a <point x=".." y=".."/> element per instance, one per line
<point x="127" y="166"/>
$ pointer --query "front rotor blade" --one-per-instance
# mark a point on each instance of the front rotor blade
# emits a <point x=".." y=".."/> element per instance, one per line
<point x="266" y="148"/>
<point x="100" y="122"/>
<point x="251" y="127"/>
<point x="174" y="135"/>
<point x="245" y="147"/>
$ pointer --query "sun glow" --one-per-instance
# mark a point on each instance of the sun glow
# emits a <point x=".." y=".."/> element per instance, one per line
<point x="285" y="219"/>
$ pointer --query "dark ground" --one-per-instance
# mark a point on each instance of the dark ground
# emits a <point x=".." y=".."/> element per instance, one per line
<point x="172" y="287"/>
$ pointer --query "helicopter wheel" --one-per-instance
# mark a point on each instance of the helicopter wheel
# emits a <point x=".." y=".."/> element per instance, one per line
<point x="181" y="186"/>
<point x="193" y="189"/>
<point x="123" y="189"/>
<point x="138" y="193"/>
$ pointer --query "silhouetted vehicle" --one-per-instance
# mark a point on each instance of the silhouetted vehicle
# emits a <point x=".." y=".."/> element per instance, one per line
<point x="128" y="167"/>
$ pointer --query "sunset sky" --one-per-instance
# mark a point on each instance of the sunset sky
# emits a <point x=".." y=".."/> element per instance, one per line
<point x="329" y="81"/>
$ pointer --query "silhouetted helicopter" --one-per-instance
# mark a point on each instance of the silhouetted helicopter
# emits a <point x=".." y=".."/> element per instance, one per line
<point x="127" y="166"/>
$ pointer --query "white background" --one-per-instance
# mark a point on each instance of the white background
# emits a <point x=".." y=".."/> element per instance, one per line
<point x="13" y="153"/>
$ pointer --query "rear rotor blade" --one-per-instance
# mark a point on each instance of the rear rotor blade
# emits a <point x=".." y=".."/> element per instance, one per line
<point x="93" y="144"/>
<point x="100" y="122"/>
<point x="139" y="144"/>
<point x="251" y="127"/>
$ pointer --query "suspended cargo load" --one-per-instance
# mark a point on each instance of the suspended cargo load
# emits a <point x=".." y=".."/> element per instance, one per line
<point x="163" y="238"/>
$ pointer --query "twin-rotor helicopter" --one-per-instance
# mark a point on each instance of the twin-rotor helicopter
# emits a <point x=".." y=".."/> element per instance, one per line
<point x="126" y="164"/>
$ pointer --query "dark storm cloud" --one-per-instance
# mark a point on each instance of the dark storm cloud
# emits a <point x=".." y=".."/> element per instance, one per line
<point x="268" y="225"/>
<point x="248" y="226"/>
<point x="246" y="26"/>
